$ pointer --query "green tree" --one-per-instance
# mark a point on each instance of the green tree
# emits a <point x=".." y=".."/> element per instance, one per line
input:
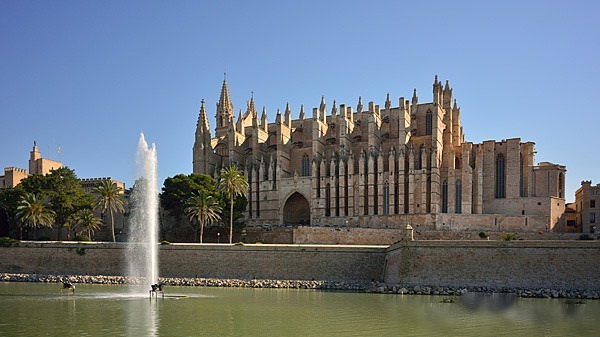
<point x="10" y="198"/>
<point x="34" y="213"/>
<point x="64" y="193"/>
<point x="232" y="183"/>
<point x="84" y="222"/>
<point x="179" y="189"/>
<point x="240" y="203"/>
<point x="203" y="209"/>
<point x="109" y="199"/>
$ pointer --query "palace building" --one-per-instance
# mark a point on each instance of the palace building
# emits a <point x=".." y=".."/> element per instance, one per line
<point x="406" y="162"/>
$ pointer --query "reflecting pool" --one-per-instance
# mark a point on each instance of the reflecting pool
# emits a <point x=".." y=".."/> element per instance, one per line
<point x="38" y="309"/>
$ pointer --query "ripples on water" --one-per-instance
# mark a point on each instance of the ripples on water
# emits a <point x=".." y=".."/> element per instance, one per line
<point x="101" y="310"/>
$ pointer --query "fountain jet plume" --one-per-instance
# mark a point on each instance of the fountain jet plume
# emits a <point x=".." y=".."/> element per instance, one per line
<point x="142" y="252"/>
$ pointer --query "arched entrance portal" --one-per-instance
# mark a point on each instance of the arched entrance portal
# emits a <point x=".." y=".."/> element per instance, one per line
<point x="296" y="210"/>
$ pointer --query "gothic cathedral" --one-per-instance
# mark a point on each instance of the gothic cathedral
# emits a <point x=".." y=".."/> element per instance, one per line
<point x="407" y="162"/>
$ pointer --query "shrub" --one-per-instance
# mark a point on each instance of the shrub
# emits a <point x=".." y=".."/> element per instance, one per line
<point x="509" y="236"/>
<point x="239" y="243"/>
<point x="483" y="235"/>
<point x="81" y="238"/>
<point x="7" y="242"/>
<point x="585" y="237"/>
<point x="165" y="242"/>
<point x="80" y="251"/>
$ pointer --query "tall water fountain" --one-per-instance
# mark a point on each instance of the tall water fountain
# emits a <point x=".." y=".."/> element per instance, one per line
<point x="142" y="252"/>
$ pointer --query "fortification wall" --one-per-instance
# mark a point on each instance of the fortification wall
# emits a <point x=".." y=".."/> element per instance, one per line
<point x="492" y="222"/>
<point x="348" y="236"/>
<point x="498" y="264"/>
<point x="369" y="236"/>
<point x="277" y="262"/>
<point x="514" y="264"/>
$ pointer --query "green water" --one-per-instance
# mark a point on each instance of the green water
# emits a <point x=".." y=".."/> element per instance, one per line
<point x="35" y="309"/>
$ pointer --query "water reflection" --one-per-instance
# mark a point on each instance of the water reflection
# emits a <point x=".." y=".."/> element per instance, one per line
<point x="571" y="307"/>
<point x="142" y="317"/>
<point x="112" y="311"/>
<point x="494" y="302"/>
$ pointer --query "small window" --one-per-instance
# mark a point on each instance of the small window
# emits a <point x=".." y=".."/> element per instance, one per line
<point x="305" y="166"/>
<point x="428" y="123"/>
<point x="592" y="217"/>
<point x="592" y="203"/>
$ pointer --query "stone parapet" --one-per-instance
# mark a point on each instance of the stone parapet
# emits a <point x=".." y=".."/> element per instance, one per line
<point x="500" y="264"/>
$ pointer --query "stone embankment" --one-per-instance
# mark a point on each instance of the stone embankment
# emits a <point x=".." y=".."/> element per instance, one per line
<point x="369" y="287"/>
<point x="191" y="282"/>
<point x="457" y="291"/>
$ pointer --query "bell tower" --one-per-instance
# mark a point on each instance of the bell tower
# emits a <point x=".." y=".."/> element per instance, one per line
<point x="224" y="114"/>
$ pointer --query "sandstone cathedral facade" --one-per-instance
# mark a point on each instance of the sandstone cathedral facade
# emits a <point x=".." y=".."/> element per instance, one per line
<point x="380" y="167"/>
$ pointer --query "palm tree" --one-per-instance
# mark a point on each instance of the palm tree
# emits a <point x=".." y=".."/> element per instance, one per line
<point x="85" y="221"/>
<point x="109" y="199"/>
<point x="232" y="183"/>
<point x="202" y="209"/>
<point x="34" y="212"/>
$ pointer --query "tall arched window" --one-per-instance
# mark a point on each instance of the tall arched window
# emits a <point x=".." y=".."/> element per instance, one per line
<point x="375" y="187"/>
<point x="346" y="199"/>
<point x="428" y="123"/>
<point x="458" y="205"/>
<point x="366" y="186"/>
<point x="500" y="176"/>
<point x="318" y="174"/>
<point x="457" y="163"/>
<point x="445" y="197"/>
<point x="386" y="198"/>
<point x="305" y="165"/>
<point x="337" y="186"/>
<point x="327" y="200"/>
<point x="419" y="163"/>
<point x="521" y="178"/>
<point x="561" y="182"/>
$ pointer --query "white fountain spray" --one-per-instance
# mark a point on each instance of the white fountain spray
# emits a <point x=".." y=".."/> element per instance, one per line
<point x="142" y="252"/>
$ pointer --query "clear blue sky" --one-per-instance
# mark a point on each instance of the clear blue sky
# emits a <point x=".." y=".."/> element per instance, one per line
<point x="89" y="76"/>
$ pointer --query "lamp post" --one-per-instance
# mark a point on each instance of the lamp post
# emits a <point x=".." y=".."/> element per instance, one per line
<point x="218" y="237"/>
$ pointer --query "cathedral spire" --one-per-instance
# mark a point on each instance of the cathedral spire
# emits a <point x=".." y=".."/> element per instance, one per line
<point x="322" y="109"/>
<point x="287" y="107"/>
<point x="322" y="106"/>
<point x="202" y="144"/>
<point x="240" y="123"/>
<point x="301" y="116"/>
<point x="225" y="99"/>
<point x="278" y="117"/>
<point x="359" y="106"/>
<point x="225" y="114"/>
<point x="334" y="109"/>
<point x="288" y="115"/>
<point x="202" y="119"/>
<point x="388" y="103"/>
<point x="251" y="106"/>
<point x="415" y="99"/>
<point x="437" y="91"/>
<point x="263" y="118"/>
<point x="255" y="120"/>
